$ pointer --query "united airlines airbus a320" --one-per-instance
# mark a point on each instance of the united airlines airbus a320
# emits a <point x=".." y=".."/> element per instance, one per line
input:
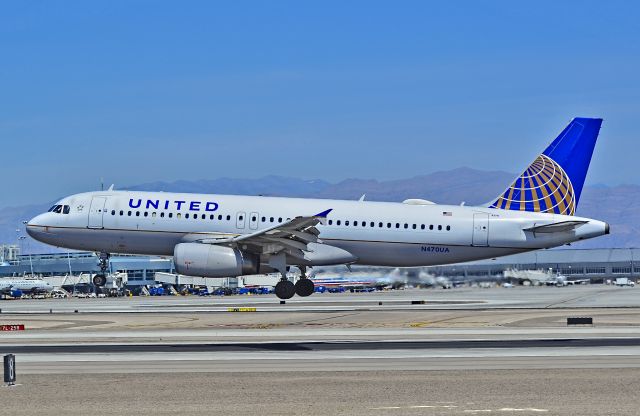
<point x="227" y="235"/>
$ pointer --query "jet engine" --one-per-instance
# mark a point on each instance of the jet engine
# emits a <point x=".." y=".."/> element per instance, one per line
<point x="209" y="260"/>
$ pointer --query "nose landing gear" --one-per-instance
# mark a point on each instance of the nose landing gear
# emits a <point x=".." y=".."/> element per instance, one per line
<point x="100" y="279"/>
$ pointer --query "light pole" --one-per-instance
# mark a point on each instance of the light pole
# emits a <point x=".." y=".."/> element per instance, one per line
<point x="28" y="240"/>
<point x="18" y="239"/>
<point x="31" y="264"/>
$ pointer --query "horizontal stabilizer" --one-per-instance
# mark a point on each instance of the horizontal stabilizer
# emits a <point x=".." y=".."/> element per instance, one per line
<point x="557" y="227"/>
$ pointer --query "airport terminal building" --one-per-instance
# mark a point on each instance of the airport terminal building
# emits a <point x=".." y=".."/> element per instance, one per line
<point x="593" y="264"/>
<point x="140" y="269"/>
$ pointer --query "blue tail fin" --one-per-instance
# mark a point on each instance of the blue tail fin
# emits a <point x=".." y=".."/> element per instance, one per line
<point x="553" y="182"/>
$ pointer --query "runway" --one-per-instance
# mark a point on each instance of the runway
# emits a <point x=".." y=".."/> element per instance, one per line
<point x="587" y="296"/>
<point x="321" y="346"/>
<point x="389" y="392"/>
<point x="498" y="351"/>
<point x="270" y="356"/>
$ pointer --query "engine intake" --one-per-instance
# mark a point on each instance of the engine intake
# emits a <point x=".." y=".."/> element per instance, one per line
<point x="208" y="260"/>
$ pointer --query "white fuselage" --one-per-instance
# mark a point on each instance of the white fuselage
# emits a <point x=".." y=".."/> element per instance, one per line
<point x="376" y="233"/>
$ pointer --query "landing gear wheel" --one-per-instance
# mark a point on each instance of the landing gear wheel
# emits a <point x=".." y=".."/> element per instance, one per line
<point x="99" y="280"/>
<point x="304" y="287"/>
<point x="285" y="289"/>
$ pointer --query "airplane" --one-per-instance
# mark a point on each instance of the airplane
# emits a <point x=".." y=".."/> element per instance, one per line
<point x="536" y="277"/>
<point x="229" y="235"/>
<point x="337" y="279"/>
<point x="16" y="287"/>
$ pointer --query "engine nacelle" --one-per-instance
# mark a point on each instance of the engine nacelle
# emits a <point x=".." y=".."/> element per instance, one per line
<point x="208" y="260"/>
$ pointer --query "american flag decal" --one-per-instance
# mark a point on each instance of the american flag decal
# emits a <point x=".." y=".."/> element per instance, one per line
<point x="447" y="213"/>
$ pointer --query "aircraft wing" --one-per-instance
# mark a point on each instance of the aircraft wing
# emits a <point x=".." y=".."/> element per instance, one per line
<point x="291" y="236"/>
<point x="557" y="227"/>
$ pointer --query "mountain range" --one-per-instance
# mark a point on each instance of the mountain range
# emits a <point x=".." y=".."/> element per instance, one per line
<point x="618" y="205"/>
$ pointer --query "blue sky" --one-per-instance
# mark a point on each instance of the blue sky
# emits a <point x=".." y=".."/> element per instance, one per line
<point x="138" y="91"/>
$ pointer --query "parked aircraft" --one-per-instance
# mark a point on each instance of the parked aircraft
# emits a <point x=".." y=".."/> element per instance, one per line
<point x="229" y="235"/>
<point x="17" y="286"/>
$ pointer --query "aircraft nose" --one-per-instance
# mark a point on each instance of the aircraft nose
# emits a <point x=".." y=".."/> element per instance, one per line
<point x="31" y="230"/>
<point x="34" y="225"/>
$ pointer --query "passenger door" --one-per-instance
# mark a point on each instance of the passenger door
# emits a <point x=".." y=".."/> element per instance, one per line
<point x="480" y="230"/>
<point x="96" y="212"/>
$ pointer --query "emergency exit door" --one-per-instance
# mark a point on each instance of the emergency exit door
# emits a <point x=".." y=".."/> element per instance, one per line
<point x="253" y="220"/>
<point x="240" y="219"/>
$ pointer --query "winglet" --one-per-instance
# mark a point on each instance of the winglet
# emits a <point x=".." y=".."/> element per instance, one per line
<point x="324" y="214"/>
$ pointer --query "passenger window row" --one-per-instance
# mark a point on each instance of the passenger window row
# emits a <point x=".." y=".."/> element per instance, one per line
<point x="195" y="216"/>
<point x="171" y="215"/>
<point x="396" y="225"/>
<point x="263" y="219"/>
<point x="272" y="219"/>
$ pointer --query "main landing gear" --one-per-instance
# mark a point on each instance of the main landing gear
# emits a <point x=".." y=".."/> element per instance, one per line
<point x="285" y="289"/>
<point x="100" y="279"/>
<point x="303" y="287"/>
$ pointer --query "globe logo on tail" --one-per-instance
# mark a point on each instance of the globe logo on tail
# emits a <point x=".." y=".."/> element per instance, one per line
<point x="543" y="187"/>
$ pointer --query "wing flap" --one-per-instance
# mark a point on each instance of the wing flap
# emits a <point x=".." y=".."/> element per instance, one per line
<point x="286" y="242"/>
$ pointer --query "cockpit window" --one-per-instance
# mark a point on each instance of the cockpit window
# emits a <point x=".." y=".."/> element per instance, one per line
<point x="60" y="209"/>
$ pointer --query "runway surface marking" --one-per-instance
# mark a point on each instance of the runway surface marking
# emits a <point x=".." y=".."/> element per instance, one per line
<point x="325" y="346"/>
<point x="468" y="411"/>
